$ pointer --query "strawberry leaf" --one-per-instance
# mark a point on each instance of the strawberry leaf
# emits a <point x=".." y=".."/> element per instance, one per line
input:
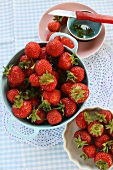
<point x="102" y="165"/>
<point x="45" y="105"/>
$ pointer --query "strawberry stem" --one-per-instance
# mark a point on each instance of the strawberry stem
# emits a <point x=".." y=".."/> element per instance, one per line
<point x="46" y="78"/>
<point x="71" y="76"/>
<point x="33" y="116"/>
<point x="80" y="143"/>
<point x="100" y="117"/>
<point x="96" y="129"/>
<point x="85" y="156"/>
<point x="102" y="165"/>
<point x="107" y="146"/>
<point x="7" y="70"/>
<point x="45" y="105"/>
<point x="77" y="93"/>
<point x="110" y="126"/>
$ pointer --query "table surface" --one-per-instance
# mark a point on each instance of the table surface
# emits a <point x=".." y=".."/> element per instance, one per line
<point x="18" y="25"/>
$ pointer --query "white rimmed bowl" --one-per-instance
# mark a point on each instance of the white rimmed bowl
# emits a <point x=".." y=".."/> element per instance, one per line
<point x="70" y="146"/>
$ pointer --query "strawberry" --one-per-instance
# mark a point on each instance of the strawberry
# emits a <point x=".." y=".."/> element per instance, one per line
<point x="53" y="97"/>
<point x="58" y="38"/>
<point x="37" y="116"/>
<point x="15" y="75"/>
<point x="47" y="82"/>
<point x="70" y="107"/>
<point x="83" y="119"/>
<point x="26" y="64"/>
<point x="49" y="35"/>
<point x="66" y="61"/>
<point x="103" y="160"/>
<point x="95" y="129"/>
<point x="54" y="117"/>
<point x="43" y="54"/>
<point x="89" y="151"/>
<point x="56" y="74"/>
<point x="34" y="80"/>
<point x="34" y="101"/>
<point x="24" y="58"/>
<point x="54" y="26"/>
<point x="11" y="95"/>
<point x="79" y="92"/>
<point x="104" y="116"/>
<point x="61" y="19"/>
<point x="66" y="87"/>
<point x="109" y="128"/>
<point x="42" y="66"/>
<point x="101" y="140"/>
<point x="54" y="48"/>
<point x="76" y="74"/>
<point x="66" y="41"/>
<point x="32" y="50"/>
<point x="81" y="138"/>
<point x="22" y="110"/>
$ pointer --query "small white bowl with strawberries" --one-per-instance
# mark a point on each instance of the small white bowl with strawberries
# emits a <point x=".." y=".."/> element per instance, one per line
<point x="88" y="139"/>
<point x="45" y="85"/>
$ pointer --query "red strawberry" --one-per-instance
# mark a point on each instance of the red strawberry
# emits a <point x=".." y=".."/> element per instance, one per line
<point x="83" y="119"/>
<point x="22" y="110"/>
<point x="66" y="61"/>
<point x="66" y="41"/>
<point x="101" y="140"/>
<point x="11" y="95"/>
<point x="54" y="26"/>
<point x="70" y="107"/>
<point x="54" y="117"/>
<point x="76" y="74"/>
<point x="48" y="82"/>
<point x="109" y="128"/>
<point x="15" y="75"/>
<point x="24" y="58"/>
<point x="53" y="97"/>
<point x="58" y="38"/>
<point x="61" y="19"/>
<point x="81" y="138"/>
<point x="79" y="92"/>
<point x="34" y="80"/>
<point x="32" y="50"/>
<point x="49" y="35"/>
<point x="89" y="151"/>
<point x="66" y="87"/>
<point x="96" y="129"/>
<point x="43" y="54"/>
<point x="54" y="48"/>
<point x="34" y="101"/>
<point x="37" y="116"/>
<point x="26" y="64"/>
<point x="56" y="74"/>
<point x="12" y="85"/>
<point x="103" y="160"/>
<point x="104" y="116"/>
<point x="42" y="66"/>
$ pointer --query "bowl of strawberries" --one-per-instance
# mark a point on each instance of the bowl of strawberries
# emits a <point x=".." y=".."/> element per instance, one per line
<point x="45" y="84"/>
<point x="88" y="139"/>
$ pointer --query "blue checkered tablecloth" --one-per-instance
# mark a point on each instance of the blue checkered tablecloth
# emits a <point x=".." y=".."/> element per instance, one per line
<point x="18" y="25"/>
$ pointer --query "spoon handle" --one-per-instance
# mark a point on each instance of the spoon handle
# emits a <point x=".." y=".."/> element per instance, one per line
<point x="94" y="17"/>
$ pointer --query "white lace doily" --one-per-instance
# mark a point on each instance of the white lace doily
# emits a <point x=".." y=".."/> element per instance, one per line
<point x="100" y="69"/>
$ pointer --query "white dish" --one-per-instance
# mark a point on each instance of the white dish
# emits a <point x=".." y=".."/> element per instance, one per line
<point x="71" y="148"/>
